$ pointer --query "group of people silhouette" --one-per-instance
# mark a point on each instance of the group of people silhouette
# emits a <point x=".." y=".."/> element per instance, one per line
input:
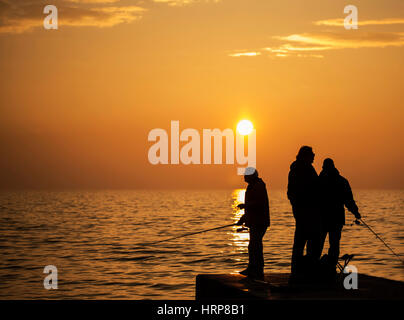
<point x="318" y="206"/>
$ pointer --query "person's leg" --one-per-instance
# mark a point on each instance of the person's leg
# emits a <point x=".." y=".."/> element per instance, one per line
<point x="334" y="239"/>
<point x="260" y="251"/>
<point x="315" y="244"/>
<point x="323" y="236"/>
<point x="298" y="247"/>
<point x="255" y="250"/>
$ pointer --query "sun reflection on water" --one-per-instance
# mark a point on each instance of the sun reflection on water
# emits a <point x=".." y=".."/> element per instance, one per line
<point x="240" y="238"/>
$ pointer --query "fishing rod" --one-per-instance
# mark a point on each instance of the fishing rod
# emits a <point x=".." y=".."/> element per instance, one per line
<point x="188" y="234"/>
<point x="377" y="236"/>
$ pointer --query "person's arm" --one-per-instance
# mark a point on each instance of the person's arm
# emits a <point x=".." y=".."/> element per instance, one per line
<point x="241" y="206"/>
<point x="350" y="202"/>
<point x="291" y="187"/>
<point x="242" y="220"/>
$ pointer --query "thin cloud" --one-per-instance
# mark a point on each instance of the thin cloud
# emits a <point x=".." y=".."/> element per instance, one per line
<point x="244" y="54"/>
<point x="318" y="56"/>
<point x="286" y="50"/>
<point x="340" y="22"/>
<point x="175" y="3"/>
<point x="180" y="3"/>
<point x="289" y="51"/>
<point x="17" y="17"/>
<point x="103" y="17"/>
<point x="93" y="1"/>
<point x="309" y="45"/>
<point x="275" y="53"/>
<point x="341" y="40"/>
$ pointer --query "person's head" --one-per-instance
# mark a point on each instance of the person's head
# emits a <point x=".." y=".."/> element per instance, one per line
<point x="250" y="174"/>
<point x="328" y="164"/>
<point x="306" y="154"/>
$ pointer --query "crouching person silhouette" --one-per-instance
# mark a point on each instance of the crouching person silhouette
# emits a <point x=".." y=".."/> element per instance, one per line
<point x="256" y="218"/>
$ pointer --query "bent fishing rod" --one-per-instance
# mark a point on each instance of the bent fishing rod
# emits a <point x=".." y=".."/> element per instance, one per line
<point x="188" y="234"/>
<point x="378" y="237"/>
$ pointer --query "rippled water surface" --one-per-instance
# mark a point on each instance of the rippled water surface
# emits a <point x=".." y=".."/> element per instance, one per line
<point x="93" y="238"/>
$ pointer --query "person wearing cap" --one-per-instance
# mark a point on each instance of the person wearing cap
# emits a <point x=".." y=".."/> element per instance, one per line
<point x="335" y="194"/>
<point x="256" y="218"/>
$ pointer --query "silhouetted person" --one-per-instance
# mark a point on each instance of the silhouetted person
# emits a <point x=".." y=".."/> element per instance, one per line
<point x="303" y="195"/>
<point x="256" y="217"/>
<point x="335" y="194"/>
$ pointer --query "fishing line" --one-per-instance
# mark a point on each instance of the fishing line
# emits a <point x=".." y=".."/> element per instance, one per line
<point x="188" y="234"/>
<point x="377" y="236"/>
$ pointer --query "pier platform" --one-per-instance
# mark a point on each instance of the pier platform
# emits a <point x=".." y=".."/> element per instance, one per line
<point x="276" y="287"/>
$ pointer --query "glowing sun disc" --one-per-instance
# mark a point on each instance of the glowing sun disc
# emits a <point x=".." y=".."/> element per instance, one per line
<point x="245" y="127"/>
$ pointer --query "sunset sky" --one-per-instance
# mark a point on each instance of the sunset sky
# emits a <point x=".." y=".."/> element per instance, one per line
<point x="77" y="103"/>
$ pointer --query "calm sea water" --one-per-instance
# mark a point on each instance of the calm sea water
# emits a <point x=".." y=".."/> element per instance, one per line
<point x="93" y="239"/>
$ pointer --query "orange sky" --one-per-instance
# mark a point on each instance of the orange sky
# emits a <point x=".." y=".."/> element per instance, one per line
<point x="77" y="103"/>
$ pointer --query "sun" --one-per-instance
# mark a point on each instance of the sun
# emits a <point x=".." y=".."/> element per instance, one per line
<point x="245" y="127"/>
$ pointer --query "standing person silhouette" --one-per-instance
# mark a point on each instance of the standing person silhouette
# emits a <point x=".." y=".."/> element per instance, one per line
<point x="256" y="217"/>
<point x="335" y="193"/>
<point x="303" y="196"/>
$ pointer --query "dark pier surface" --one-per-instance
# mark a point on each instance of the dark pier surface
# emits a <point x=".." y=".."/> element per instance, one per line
<point x="276" y="287"/>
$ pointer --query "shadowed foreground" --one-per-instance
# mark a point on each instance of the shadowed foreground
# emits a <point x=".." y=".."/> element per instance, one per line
<point x="275" y="287"/>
